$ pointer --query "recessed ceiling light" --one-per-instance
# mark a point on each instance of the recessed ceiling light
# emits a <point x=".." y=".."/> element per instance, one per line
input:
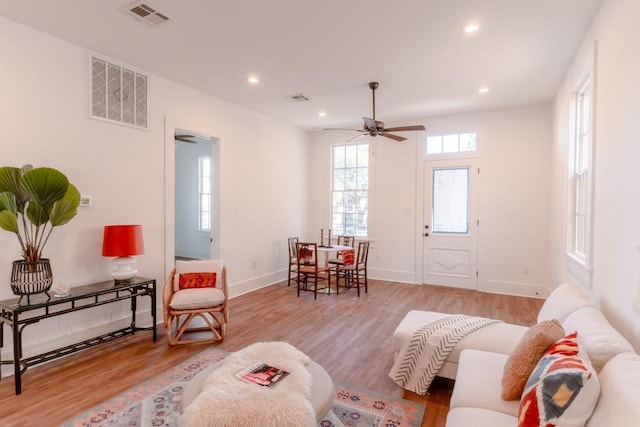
<point x="253" y="80"/>
<point x="322" y="114"/>
<point x="483" y="89"/>
<point x="471" y="28"/>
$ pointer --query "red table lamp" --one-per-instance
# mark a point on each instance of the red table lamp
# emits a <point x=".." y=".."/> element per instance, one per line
<point x="122" y="242"/>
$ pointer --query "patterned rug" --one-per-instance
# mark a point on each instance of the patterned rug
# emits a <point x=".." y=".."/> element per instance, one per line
<point x="156" y="402"/>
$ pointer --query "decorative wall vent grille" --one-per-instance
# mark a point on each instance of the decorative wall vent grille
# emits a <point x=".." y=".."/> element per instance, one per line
<point x="298" y="97"/>
<point x="146" y="13"/>
<point x="118" y="93"/>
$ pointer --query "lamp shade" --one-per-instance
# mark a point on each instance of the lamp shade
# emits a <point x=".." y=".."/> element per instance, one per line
<point x="122" y="240"/>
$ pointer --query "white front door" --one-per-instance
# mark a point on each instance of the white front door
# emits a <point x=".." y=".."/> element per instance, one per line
<point x="450" y="234"/>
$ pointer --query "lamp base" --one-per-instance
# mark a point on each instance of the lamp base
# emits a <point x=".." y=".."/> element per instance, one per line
<point x="124" y="270"/>
<point x="123" y="282"/>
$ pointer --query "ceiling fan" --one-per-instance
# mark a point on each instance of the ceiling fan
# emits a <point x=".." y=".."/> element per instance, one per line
<point x="374" y="127"/>
<point x="185" y="138"/>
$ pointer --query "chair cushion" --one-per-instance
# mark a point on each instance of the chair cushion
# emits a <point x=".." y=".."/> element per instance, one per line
<point x="563" y="389"/>
<point x="197" y="280"/>
<point x="525" y="357"/>
<point x="188" y="299"/>
<point x="599" y="339"/>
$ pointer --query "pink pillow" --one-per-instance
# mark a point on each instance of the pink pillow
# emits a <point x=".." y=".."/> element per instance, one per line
<point x="197" y="280"/>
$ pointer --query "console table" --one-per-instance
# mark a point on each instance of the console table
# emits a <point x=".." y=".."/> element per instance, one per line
<point x="17" y="316"/>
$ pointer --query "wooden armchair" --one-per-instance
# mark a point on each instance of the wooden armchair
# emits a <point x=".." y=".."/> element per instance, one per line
<point x="196" y="291"/>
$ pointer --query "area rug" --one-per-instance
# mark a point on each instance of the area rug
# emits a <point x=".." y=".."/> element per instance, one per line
<point x="156" y="402"/>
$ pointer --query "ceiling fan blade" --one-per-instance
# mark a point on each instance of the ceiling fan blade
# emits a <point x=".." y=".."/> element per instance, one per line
<point x="358" y="137"/>
<point x="392" y="136"/>
<point x="185" y="138"/>
<point x="405" y="128"/>
<point x="356" y="130"/>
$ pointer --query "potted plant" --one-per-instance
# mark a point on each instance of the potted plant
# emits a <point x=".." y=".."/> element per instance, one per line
<point x="33" y="201"/>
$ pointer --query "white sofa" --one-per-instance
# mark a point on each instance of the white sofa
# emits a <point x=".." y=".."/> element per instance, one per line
<point x="477" y="363"/>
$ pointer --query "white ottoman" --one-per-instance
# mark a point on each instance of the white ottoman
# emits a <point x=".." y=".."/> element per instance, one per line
<point x="322" y="391"/>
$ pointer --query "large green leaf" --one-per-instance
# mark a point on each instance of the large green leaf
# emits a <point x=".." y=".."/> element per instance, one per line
<point x="45" y="186"/>
<point x="7" y="202"/>
<point x="10" y="180"/>
<point x="9" y="221"/>
<point x="66" y="208"/>
<point x="37" y="214"/>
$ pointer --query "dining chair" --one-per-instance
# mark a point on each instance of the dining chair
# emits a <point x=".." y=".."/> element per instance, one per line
<point x="333" y="263"/>
<point x="310" y="273"/>
<point x="354" y="272"/>
<point x="293" y="259"/>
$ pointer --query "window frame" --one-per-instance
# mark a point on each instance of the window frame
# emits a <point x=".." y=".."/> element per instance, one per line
<point x="369" y="189"/>
<point x="580" y="179"/>
<point x="201" y="193"/>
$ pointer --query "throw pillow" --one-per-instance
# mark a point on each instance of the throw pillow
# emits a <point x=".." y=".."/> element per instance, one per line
<point x="526" y="356"/>
<point x="563" y="389"/>
<point x="348" y="257"/>
<point x="197" y="280"/>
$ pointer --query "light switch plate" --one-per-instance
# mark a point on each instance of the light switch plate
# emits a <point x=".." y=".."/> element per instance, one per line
<point x="86" y="200"/>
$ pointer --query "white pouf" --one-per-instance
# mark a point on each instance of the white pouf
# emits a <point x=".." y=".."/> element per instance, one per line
<point x="322" y="390"/>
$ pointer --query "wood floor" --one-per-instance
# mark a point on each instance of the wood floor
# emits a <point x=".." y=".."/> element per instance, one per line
<point x="349" y="336"/>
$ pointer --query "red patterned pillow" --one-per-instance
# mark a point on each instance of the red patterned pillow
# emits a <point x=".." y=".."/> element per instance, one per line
<point x="197" y="280"/>
<point x="562" y="390"/>
<point x="348" y="257"/>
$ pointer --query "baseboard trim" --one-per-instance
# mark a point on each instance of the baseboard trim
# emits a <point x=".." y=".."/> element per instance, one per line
<point x="514" y="288"/>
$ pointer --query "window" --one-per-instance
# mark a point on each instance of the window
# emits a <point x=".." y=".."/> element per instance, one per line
<point x="450" y="204"/>
<point x="204" y="179"/>
<point x="350" y="189"/>
<point x="580" y="187"/>
<point x="449" y="144"/>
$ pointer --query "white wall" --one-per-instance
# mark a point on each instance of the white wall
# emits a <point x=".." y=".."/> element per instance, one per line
<point x="616" y="260"/>
<point x="514" y="150"/>
<point x="128" y="171"/>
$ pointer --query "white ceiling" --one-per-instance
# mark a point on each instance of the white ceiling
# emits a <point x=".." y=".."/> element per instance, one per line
<point x="329" y="50"/>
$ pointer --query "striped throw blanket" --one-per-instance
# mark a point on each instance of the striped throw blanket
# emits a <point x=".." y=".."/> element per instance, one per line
<point x="422" y="356"/>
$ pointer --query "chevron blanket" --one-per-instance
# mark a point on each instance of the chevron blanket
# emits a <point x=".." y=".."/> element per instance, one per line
<point x="422" y="356"/>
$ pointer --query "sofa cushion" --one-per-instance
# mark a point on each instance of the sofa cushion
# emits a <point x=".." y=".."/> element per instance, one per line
<point x="562" y="390"/>
<point x="564" y="300"/>
<point x="598" y="338"/>
<point x="465" y="417"/>
<point x="498" y="338"/>
<point x="525" y="357"/>
<point x="478" y="383"/>
<point x="619" y="403"/>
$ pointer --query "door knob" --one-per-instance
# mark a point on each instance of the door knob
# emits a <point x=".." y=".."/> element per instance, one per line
<point x="426" y="234"/>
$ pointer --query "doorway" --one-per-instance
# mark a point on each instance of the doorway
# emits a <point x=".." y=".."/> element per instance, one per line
<point x="196" y="196"/>
<point x="450" y="234"/>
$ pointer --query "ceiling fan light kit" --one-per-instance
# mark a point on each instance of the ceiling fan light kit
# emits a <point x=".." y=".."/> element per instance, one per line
<point x="374" y="127"/>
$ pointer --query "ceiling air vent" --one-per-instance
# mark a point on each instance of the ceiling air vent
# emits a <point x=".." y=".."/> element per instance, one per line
<point x="298" y="97"/>
<point x="146" y="13"/>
